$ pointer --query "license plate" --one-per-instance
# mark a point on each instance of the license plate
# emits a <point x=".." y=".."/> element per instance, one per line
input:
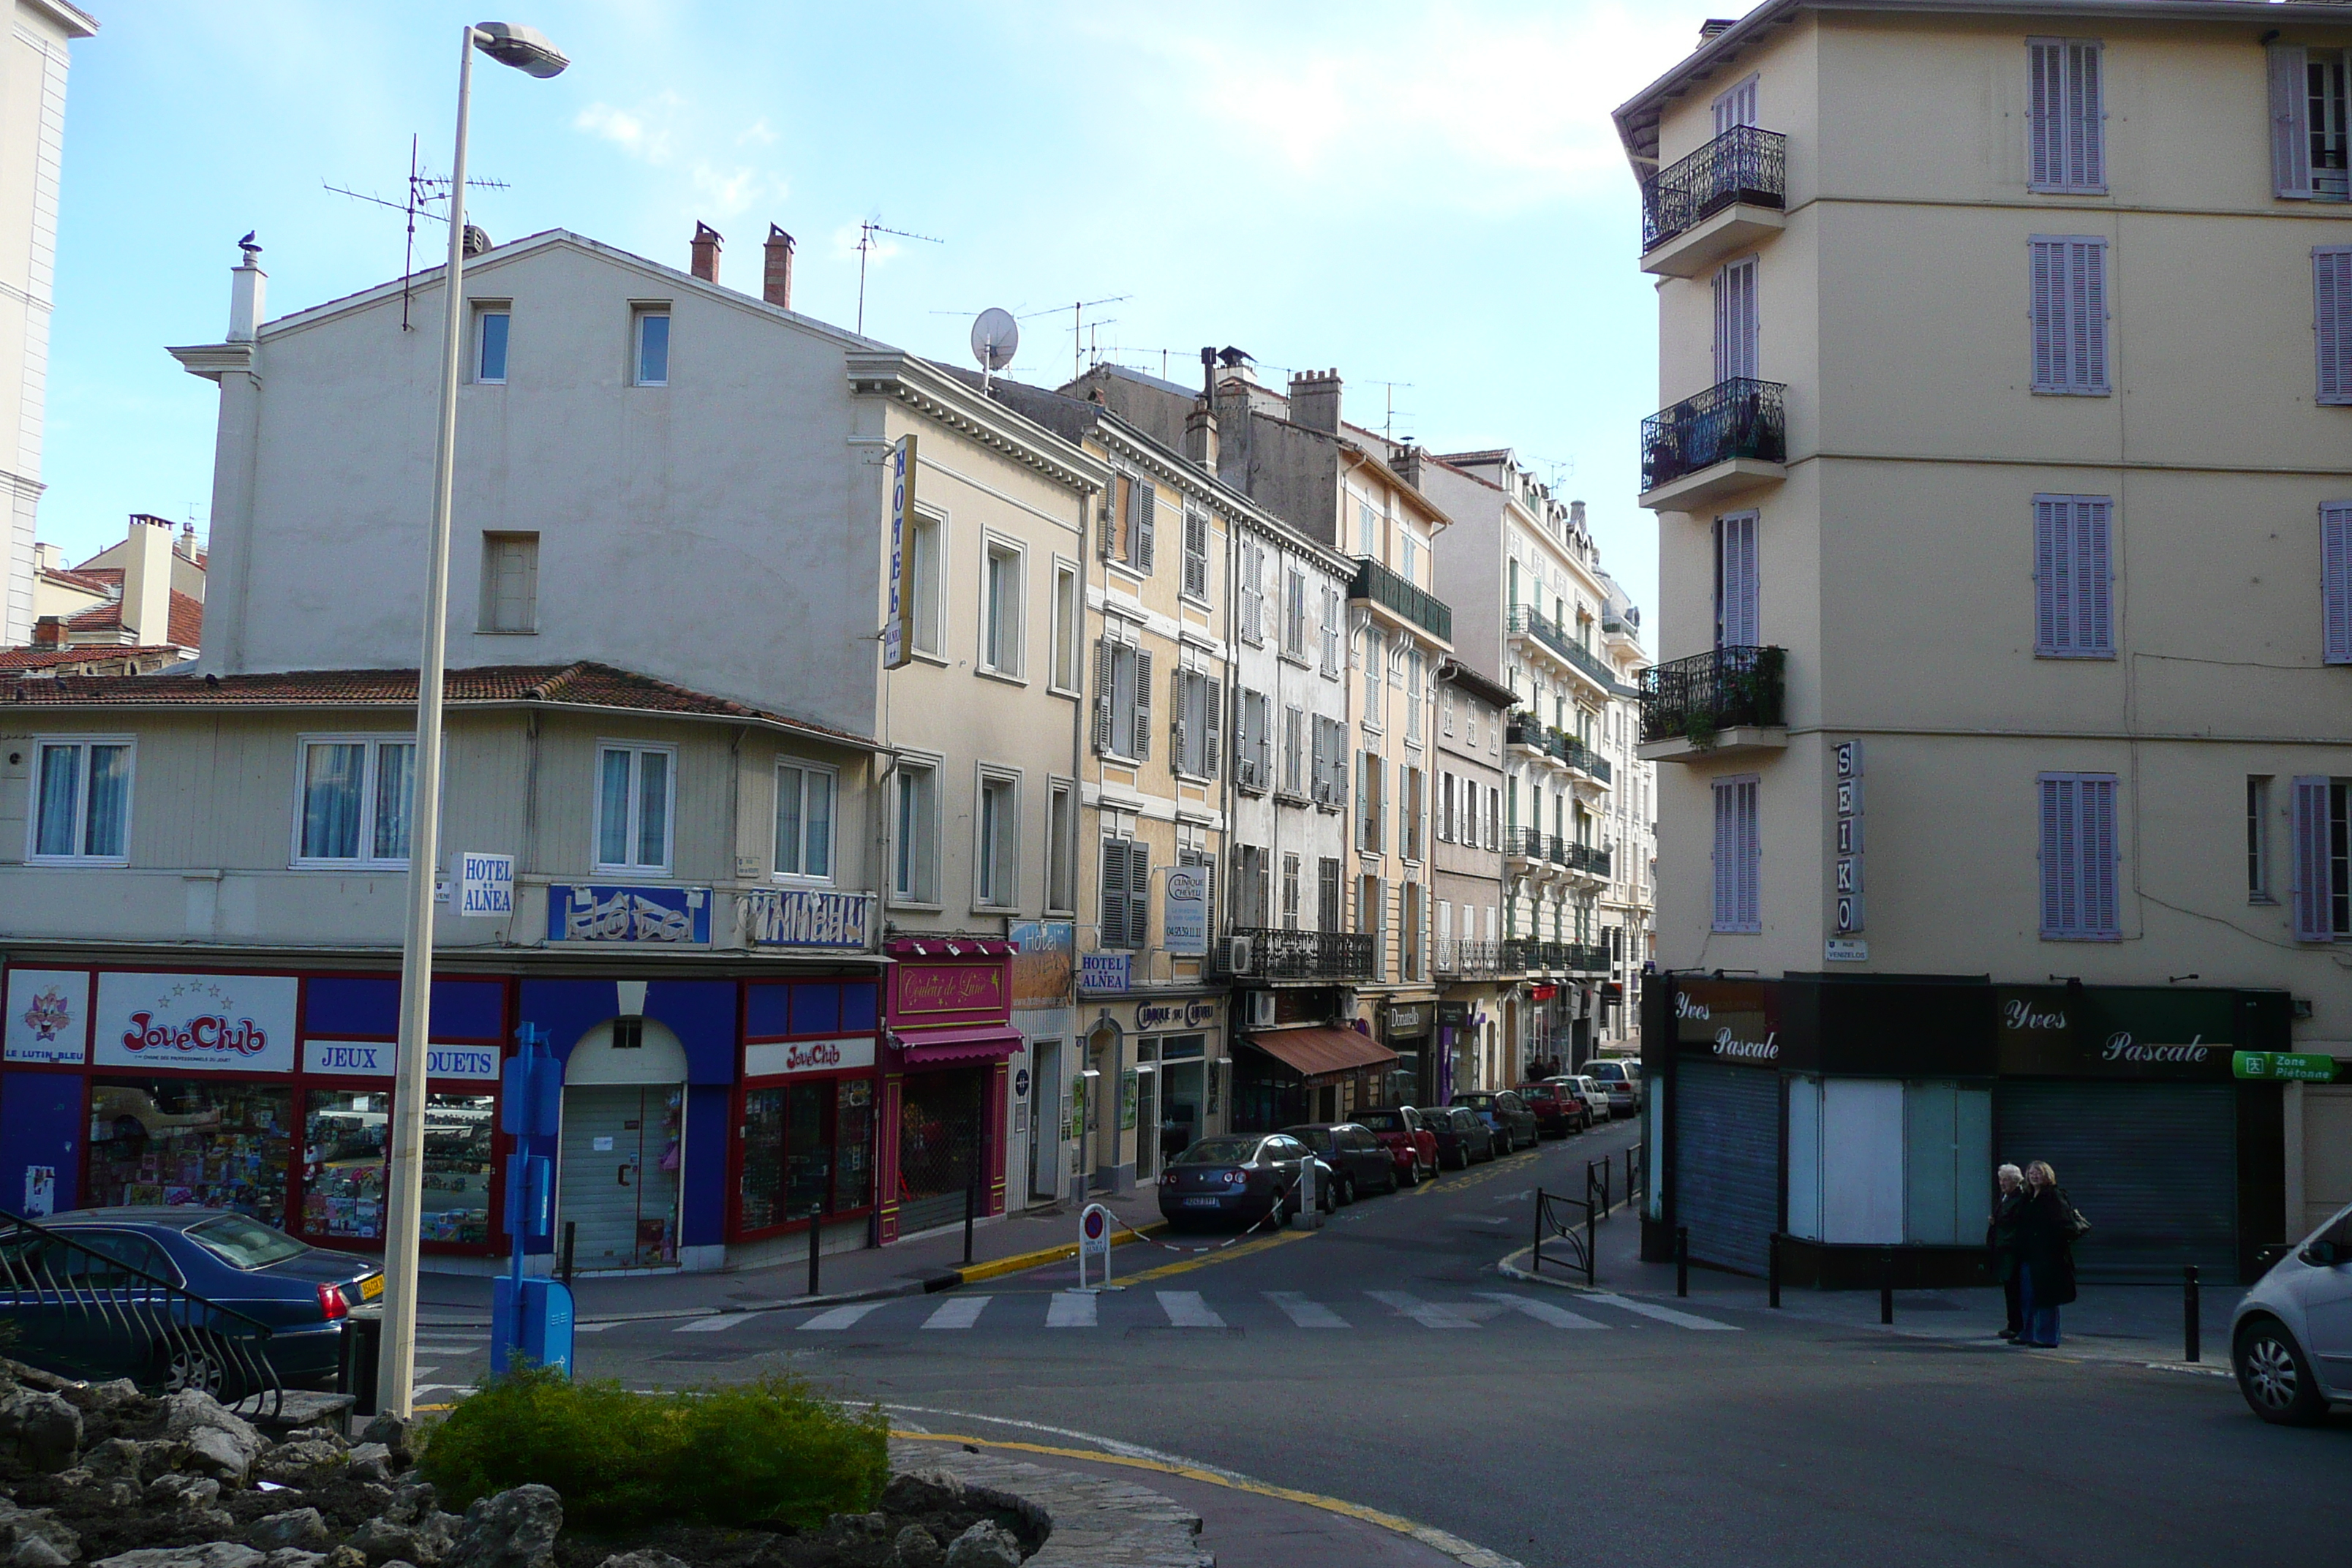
<point x="372" y="1287"/>
<point x="1203" y="1203"/>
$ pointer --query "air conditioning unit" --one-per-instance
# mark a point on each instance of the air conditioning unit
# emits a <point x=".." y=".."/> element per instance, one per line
<point x="1261" y="1009"/>
<point x="1237" y="955"/>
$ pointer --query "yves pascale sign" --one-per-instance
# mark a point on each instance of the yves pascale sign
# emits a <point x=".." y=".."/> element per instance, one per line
<point x="485" y="884"/>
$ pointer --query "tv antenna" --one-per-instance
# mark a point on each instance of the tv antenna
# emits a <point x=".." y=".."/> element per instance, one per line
<point x="995" y="337"/>
<point x="866" y="245"/>
<point x="424" y="189"/>
<point x="1077" y="309"/>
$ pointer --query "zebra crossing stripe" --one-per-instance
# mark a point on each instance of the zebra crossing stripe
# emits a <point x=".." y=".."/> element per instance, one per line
<point x="1662" y="1314"/>
<point x="1428" y="1314"/>
<point x="1303" y="1313"/>
<point x="718" y="1323"/>
<point x="958" y="1313"/>
<point x="841" y="1317"/>
<point x="1068" y="1309"/>
<point x="1186" y="1310"/>
<point x="1542" y="1312"/>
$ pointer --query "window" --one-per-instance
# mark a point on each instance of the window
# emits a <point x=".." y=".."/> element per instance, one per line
<point x="1331" y="632"/>
<point x="1254" y="768"/>
<point x="1000" y="609"/>
<point x="1061" y="849"/>
<point x="1066" y="641"/>
<point x="2067" y="127"/>
<point x="924" y="553"/>
<point x="1122" y="700"/>
<point x="2308" y="141"/>
<point x="81" y="807"/>
<point x="2322" y="829"/>
<point x="1739" y="616"/>
<point x="1736" y="325"/>
<point x="1196" y="553"/>
<point x="2078" y="857"/>
<point x="1327" y="893"/>
<point x="1371" y="775"/>
<point x="490" y="323"/>
<point x="1410" y="829"/>
<point x="650" y="332"/>
<point x="1736" y="107"/>
<point x="1253" y="595"/>
<point x="1127" y="533"/>
<point x="1199" y="702"/>
<point x="1367" y="530"/>
<point x="1372" y="918"/>
<point x="1375" y="660"/>
<point x="356" y="795"/>
<point x="1294" y="751"/>
<point x="1205" y="863"/>
<point x="1414" y="701"/>
<point x="914" y="877"/>
<point x="1330" y="761"/>
<point x="2258" y="839"/>
<point x="1126" y="894"/>
<point x="804" y="796"/>
<point x="1738" y="856"/>
<point x="2331" y="285"/>
<point x="996" y="856"/>
<point x="2335" y="580"/>
<point x="1411" y="913"/>
<point x="509" y="583"/>
<point x="2070" y="315"/>
<point x="2073" y="578"/>
<point x="635" y="788"/>
<point x="1252" y="874"/>
<point x="1294" y="613"/>
<point x="1408" y="557"/>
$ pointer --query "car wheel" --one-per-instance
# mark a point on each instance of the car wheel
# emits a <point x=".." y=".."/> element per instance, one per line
<point x="2276" y="1376"/>
<point x="201" y="1362"/>
<point x="1411" y="1176"/>
<point x="1346" y="1196"/>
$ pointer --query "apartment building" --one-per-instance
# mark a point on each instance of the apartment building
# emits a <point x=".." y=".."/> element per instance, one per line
<point x="2004" y="481"/>
<point x="1480" y="973"/>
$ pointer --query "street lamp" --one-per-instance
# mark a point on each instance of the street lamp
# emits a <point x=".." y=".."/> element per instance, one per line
<point x="528" y="50"/>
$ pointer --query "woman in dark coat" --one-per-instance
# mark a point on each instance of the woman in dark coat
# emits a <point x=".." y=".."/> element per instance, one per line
<point x="2046" y="1228"/>
<point x="2000" y="1240"/>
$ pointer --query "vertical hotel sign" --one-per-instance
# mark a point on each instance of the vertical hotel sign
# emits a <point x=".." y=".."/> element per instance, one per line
<point x="1846" y="758"/>
<point x="900" y="518"/>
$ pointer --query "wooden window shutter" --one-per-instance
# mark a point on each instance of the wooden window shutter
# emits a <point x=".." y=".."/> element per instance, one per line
<point x="1138" y="894"/>
<point x="2057" y="857"/>
<point x="1751" y="855"/>
<point x="2331" y="290"/>
<point x="2073" y="577"/>
<point x="2314" y="879"/>
<point x="1213" y="694"/>
<point x="2087" y="307"/>
<point x="1115" y="501"/>
<point x="1111" y="929"/>
<point x="2049" y="262"/>
<point x="2048" y="519"/>
<point x="2290" y="122"/>
<point x="1262" y="743"/>
<point x="1738" y="617"/>
<point x="1146" y="507"/>
<point x="1179" y="691"/>
<point x="1725" y="856"/>
<point x="1142" y="706"/>
<point x="2097" y="574"/>
<point x="2335" y="574"/>
<point x="1106" y="690"/>
<point x="1196" y="553"/>
<point x="2046" y="63"/>
<point x="2086" y="159"/>
<point x="2098" y="838"/>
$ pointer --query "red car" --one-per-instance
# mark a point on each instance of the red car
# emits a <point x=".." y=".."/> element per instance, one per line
<point x="1558" y="1112"/>
<point x="1409" y="1141"/>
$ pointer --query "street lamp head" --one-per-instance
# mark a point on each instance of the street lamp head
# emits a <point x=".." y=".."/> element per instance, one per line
<point x="525" y="48"/>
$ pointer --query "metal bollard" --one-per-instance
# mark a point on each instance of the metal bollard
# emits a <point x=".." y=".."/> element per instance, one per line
<point x="816" y="1226"/>
<point x="570" y="1234"/>
<point x="1772" y="1269"/>
<point x="1535" y="1257"/>
<point x="2192" y="1328"/>
<point x="1887" y="1287"/>
<point x="1682" y="1261"/>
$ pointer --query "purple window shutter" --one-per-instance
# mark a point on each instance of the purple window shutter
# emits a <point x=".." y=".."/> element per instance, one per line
<point x="2331" y="319"/>
<point x="2290" y="124"/>
<point x="2087" y="160"/>
<point x="1725" y="857"/>
<point x="2061" y="889"/>
<point x="2046" y="510"/>
<point x="2098" y="840"/>
<point x="2048" y="374"/>
<point x="2045" y="64"/>
<point x="1751" y="855"/>
<point x="2091" y="367"/>
<point x="2336" y="577"/>
<point x="2098" y="578"/>
<point x="2313" y="883"/>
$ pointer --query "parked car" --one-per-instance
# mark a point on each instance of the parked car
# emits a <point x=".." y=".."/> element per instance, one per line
<point x="1516" y="1121"/>
<point x="1358" y="1163"/>
<point x="1463" y="1140"/>
<point x="1596" y="1099"/>
<point x="1410" y="1143"/>
<point x="1242" y="1177"/>
<point x="1553" y="1113"/>
<point x="85" y="1308"/>
<point x="2291" y="1337"/>
<point x="1615" y="1076"/>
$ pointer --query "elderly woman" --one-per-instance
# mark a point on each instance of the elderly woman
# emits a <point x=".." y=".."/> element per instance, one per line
<point x="2000" y="1240"/>
<point x="2047" y="1227"/>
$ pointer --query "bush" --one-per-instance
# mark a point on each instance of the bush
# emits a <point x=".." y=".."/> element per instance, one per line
<point x="763" y="1453"/>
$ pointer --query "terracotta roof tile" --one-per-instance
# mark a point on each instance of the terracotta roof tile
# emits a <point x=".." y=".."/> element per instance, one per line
<point x="83" y="653"/>
<point x="187" y="627"/>
<point x="88" y="582"/>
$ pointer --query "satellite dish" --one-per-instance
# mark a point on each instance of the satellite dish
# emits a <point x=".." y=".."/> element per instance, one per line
<point x="995" y="336"/>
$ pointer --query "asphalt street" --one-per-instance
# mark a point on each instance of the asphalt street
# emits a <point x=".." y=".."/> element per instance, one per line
<point x="1384" y="1361"/>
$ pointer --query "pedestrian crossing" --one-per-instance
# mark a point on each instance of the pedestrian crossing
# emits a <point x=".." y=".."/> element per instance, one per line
<point x="1277" y="1310"/>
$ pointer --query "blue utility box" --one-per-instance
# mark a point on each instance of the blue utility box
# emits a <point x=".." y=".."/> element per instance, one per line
<point x="540" y="1334"/>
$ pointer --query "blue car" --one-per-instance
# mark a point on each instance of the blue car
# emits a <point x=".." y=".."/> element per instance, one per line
<point x="93" y="1308"/>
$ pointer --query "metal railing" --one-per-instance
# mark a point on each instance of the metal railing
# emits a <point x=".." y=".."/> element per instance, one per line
<point x="1467" y="959"/>
<point x="1586" y="858"/>
<point x="1579" y="756"/>
<point x="73" y="1310"/>
<point x="1738" y="419"/>
<point x="1695" y="697"/>
<point x="1277" y="953"/>
<point x="1523" y="843"/>
<point x="1745" y="163"/>
<point x="1385" y="588"/>
<point x="1558" y="1218"/>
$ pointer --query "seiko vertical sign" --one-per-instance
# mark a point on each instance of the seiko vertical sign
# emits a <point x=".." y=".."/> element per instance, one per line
<point x="1847" y="757"/>
<point x="897" y="647"/>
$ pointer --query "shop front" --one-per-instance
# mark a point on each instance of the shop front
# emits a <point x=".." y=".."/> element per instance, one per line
<point x="1044" y="1069"/>
<point x="1408" y="1027"/>
<point x="1540" y="1020"/>
<point x="1173" y="1079"/>
<point x="1304" y="1065"/>
<point x="940" y="1127"/>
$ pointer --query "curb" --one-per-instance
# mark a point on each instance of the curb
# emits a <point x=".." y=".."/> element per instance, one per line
<point x="1019" y="1262"/>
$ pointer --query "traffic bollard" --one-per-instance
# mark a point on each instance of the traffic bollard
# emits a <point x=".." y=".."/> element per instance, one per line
<point x="1682" y="1261"/>
<point x="1535" y="1252"/>
<point x="816" y="1228"/>
<point x="1772" y="1268"/>
<point x="1887" y="1287"/>
<point x="2192" y="1328"/>
<point x="571" y="1235"/>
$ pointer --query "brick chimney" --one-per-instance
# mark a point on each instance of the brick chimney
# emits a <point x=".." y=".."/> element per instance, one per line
<point x="776" y="286"/>
<point x="49" y="631"/>
<point x="1315" y="399"/>
<point x="706" y="253"/>
<point x="1406" y="461"/>
<point x="1201" y="435"/>
<point x="147" y="583"/>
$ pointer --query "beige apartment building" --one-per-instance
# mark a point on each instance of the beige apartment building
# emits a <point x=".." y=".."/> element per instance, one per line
<point x="2004" y="483"/>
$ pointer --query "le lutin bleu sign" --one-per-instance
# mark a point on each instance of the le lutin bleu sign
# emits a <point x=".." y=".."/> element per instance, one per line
<point x="806" y="917"/>
<point x="644" y="917"/>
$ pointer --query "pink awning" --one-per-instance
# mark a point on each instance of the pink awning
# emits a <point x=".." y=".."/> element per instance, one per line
<point x="949" y="1048"/>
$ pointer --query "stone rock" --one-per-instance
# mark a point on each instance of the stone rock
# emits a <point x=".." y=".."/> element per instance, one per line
<point x="316" y="1435"/>
<point x="177" y="1490"/>
<point x="515" y="1529"/>
<point x="426" y="1541"/>
<point x="381" y="1540"/>
<point x="34" y="1553"/>
<point x="128" y="1459"/>
<point x="921" y="1491"/>
<point x="292" y="1464"/>
<point x="215" y="1554"/>
<point x="304" y="1528"/>
<point x="346" y="1557"/>
<point x="412" y="1503"/>
<point x="30" y="1538"/>
<point x="437" y="1533"/>
<point x="44" y="1429"/>
<point x="916" y="1548"/>
<point x="855" y="1524"/>
<point x="371" y="1462"/>
<point x="98" y="1398"/>
<point x="986" y="1545"/>
<point x="294" y="1557"/>
<point x="219" y="1441"/>
<point x="33" y="1377"/>
<point x="394" y="1432"/>
<point x="641" y="1560"/>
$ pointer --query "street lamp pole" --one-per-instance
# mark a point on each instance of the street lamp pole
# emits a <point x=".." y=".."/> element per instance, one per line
<point x="528" y="51"/>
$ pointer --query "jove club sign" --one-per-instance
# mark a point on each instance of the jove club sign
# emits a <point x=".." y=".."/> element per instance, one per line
<point x="201" y="1023"/>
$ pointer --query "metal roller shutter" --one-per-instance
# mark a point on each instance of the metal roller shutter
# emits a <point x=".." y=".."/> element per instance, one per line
<point x="1727" y="1162"/>
<point x="2152" y="1166"/>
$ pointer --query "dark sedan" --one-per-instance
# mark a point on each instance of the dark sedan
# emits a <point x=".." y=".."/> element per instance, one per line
<point x="1515" y="1123"/>
<point x="1463" y="1140"/>
<point x="1244" y="1177"/>
<point x="302" y="1294"/>
<point x="1358" y="1164"/>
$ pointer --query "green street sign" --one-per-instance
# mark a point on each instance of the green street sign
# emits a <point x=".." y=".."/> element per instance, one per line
<point x="2285" y="1067"/>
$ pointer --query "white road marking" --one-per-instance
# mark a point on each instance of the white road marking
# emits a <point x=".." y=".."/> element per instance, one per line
<point x="593" y="1327"/>
<point x="841" y="1317"/>
<point x="1303" y="1313"/>
<point x="1662" y="1314"/>
<point x="1542" y="1312"/>
<point x="1428" y="1314"/>
<point x="958" y="1313"/>
<point x="450" y="1350"/>
<point x="1185" y="1309"/>
<point x="718" y="1323"/>
<point x="1068" y="1309"/>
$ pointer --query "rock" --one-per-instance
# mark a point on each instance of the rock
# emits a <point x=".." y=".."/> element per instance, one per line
<point x="921" y="1491"/>
<point x="854" y="1524"/>
<point x="916" y="1548"/>
<point x="299" y="1527"/>
<point x="371" y="1462"/>
<point x="35" y="1554"/>
<point x="426" y="1539"/>
<point x="346" y="1557"/>
<point x="986" y="1545"/>
<point x="127" y="1459"/>
<point x="294" y="1464"/>
<point x="395" y="1433"/>
<point x="381" y="1540"/>
<point x="412" y="1502"/>
<point x="293" y="1557"/>
<point x="437" y="1533"/>
<point x="219" y="1441"/>
<point x="33" y="1377"/>
<point x="100" y="1398"/>
<point x="30" y="1538"/>
<point x="43" y="1429"/>
<point x="641" y="1560"/>
<point x="515" y="1529"/>
<point x="316" y="1435"/>
<point x="177" y="1490"/>
<point x="216" y="1555"/>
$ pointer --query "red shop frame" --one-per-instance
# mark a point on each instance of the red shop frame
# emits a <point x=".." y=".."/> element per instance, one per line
<point x="746" y="1084"/>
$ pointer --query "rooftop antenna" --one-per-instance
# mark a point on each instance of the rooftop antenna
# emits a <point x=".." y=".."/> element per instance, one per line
<point x="424" y="189"/>
<point x="866" y="245"/>
<point x="1077" y="331"/>
<point x="1388" y="422"/>
<point x="995" y="335"/>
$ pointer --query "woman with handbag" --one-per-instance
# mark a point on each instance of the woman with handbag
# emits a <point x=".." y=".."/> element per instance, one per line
<point x="2047" y="1229"/>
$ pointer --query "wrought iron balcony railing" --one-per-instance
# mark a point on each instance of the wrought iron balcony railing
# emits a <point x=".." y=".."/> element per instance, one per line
<point x="1738" y="419"/>
<point x="1271" y="952"/>
<point x="1523" y="843"/>
<point x="1589" y="857"/>
<point x="1577" y="755"/>
<point x="1466" y="959"/>
<point x="1695" y="697"/>
<point x="1385" y="588"/>
<point x="1745" y="164"/>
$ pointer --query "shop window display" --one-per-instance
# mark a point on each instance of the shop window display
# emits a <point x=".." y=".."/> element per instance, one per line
<point x="458" y="1133"/>
<point x="806" y="1145"/>
<point x="190" y="1142"/>
<point x="346" y="1146"/>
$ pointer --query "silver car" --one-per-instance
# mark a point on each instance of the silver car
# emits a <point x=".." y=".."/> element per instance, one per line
<point x="2291" y="1338"/>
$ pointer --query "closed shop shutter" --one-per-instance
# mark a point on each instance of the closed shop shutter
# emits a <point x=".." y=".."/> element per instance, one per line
<point x="1727" y="1162"/>
<point x="2152" y="1166"/>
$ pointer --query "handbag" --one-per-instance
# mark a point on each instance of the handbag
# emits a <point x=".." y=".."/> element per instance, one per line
<point x="2077" y="1227"/>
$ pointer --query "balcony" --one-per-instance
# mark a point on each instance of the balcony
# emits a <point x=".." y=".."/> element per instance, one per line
<point x="1527" y="621"/>
<point x="1462" y="958"/>
<point x="1528" y="731"/>
<point x="1718" y="704"/>
<point x="1720" y="200"/>
<point x="1393" y="594"/>
<point x="1523" y="844"/>
<point x="1621" y="623"/>
<point x="1587" y="958"/>
<point x="1731" y="438"/>
<point x="1274" y="953"/>
<point x="1585" y="860"/>
<point x="1582" y="758"/>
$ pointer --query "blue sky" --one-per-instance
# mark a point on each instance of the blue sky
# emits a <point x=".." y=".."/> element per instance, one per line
<point x="1430" y="195"/>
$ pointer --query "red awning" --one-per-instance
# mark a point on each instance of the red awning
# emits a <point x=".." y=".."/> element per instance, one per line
<point x="950" y="1047"/>
<point x="1319" y="1053"/>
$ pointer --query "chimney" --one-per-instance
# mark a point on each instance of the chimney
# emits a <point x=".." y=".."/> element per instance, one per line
<point x="245" y="292"/>
<point x="706" y="253"/>
<point x="1201" y="435"/>
<point x="1713" y="28"/>
<point x="1406" y="461"/>
<point x="49" y="631"/>
<point x="776" y="286"/>
<point x="1315" y="400"/>
<point x="1576" y="515"/>
<point x="147" y="583"/>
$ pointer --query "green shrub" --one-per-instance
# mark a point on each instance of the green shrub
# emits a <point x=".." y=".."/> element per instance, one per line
<point x="762" y="1453"/>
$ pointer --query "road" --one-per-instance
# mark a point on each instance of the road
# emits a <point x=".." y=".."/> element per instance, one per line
<point x="1383" y="1361"/>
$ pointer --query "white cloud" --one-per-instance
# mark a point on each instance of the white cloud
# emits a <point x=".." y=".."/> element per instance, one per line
<point x="654" y="132"/>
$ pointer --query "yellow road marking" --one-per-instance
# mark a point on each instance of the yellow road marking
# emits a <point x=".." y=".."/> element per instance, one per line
<point x="1242" y="1251"/>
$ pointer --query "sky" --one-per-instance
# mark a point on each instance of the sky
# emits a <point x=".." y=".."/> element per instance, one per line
<point x="1429" y="198"/>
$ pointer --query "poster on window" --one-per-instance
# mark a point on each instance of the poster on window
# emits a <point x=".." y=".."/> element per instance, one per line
<point x="169" y="1023"/>
<point x="48" y="1015"/>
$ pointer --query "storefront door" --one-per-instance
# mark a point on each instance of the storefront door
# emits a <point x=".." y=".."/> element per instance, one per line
<point x="1046" y="1120"/>
<point x="1727" y="1162"/>
<point x="1147" y="1123"/>
<point x="2152" y="1166"/>
<point x="618" y="1186"/>
<point x="941" y="1152"/>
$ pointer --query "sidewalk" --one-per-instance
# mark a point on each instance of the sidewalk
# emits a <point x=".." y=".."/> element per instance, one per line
<point x="931" y="1262"/>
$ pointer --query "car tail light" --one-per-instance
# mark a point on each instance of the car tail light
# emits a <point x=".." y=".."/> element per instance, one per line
<point x="331" y="1302"/>
<point x="1167" y="1179"/>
